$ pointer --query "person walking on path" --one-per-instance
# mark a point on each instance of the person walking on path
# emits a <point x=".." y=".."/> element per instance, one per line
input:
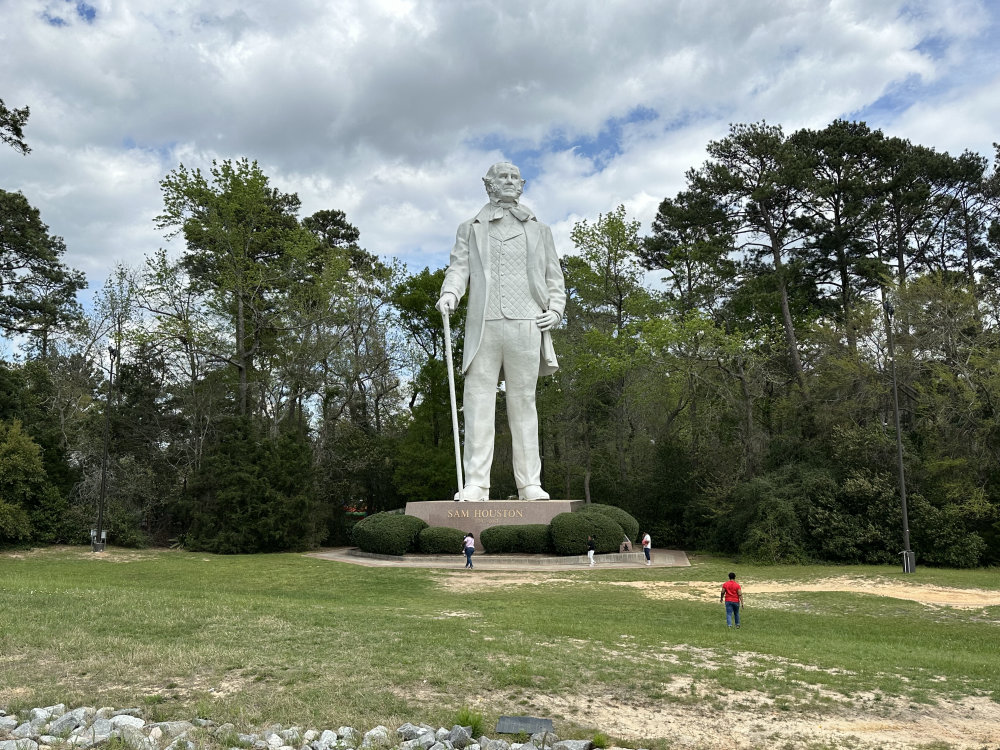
<point x="591" y="549"/>
<point x="732" y="596"/>
<point x="469" y="544"/>
<point x="647" y="547"/>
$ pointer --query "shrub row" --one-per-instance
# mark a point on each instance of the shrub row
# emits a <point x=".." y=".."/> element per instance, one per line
<point x="394" y="533"/>
<point x="529" y="539"/>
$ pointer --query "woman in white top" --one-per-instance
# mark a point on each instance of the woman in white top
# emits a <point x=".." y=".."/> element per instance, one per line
<point x="647" y="547"/>
<point x="469" y="544"/>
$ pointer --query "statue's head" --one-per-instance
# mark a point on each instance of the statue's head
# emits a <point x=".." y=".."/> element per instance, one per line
<point x="503" y="182"/>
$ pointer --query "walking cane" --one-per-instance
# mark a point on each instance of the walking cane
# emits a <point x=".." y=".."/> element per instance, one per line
<point x="454" y="404"/>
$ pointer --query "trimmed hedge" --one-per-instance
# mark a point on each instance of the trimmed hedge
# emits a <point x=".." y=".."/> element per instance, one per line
<point x="623" y="518"/>
<point x="441" y="540"/>
<point x="388" y="533"/>
<point x="570" y="532"/>
<point x="531" y="539"/>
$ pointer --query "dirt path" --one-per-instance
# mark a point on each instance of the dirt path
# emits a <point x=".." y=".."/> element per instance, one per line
<point x="700" y="715"/>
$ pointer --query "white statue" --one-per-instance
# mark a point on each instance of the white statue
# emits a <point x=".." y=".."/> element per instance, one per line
<point x="507" y="260"/>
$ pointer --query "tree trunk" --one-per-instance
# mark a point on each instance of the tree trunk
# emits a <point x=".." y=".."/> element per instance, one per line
<point x="241" y="353"/>
<point x="786" y="314"/>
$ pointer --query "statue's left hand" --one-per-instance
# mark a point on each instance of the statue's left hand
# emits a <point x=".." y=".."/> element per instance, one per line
<point x="548" y="320"/>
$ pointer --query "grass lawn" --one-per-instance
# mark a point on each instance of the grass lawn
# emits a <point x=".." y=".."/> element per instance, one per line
<point x="297" y="640"/>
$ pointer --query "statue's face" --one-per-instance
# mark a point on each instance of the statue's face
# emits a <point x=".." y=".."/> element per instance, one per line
<point x="504" y="183"/>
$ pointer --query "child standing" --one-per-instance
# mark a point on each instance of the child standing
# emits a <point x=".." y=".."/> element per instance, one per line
<point x="732" y="596"/>
<point x="469" y="544"/>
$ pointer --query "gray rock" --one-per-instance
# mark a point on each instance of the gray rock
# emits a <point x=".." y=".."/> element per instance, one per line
<point x="7" y="723"/>
<point x="349" y="736"/>
<point x="21" y="744"/>
<point x="326" y="739"/>
<point x="223" y="729"/>
<point x="105" y="712"/>
<point x="310" y="735"/>
<point x="48" y="739"/>
<point x="40" y="715"/>
<point x="543" y="737"/>
<point x="132" y="735"/>
<point x="573" y="745"/>
<point x="473" y="746"/>
<point x="459" y="737"/>
<point x="487" y="744"/>
<point x="292" y="736"/>
<point x="23" y="731"/>
<point x="71" y="720"/>
<point x="180" y="744"/>
<point x="409" y="732"/>
<point x="174" y="729"/>
<point x="129" y="712"/>
<point x="427" y="740"/>
<point x="248" y="739"/>
<point x="261" y="745"/>
<point x="57" y="710"/>
<point x="441" y="734"/>
<point x="120" y="721"/>
<point x="377" y="737"/>
<point x="92" y="734"/>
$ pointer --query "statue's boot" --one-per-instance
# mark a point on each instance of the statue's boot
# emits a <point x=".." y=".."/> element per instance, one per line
<point x="532" y="492"/>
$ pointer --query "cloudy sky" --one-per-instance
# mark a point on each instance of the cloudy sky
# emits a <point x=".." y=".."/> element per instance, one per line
<point x="392" y="110"/>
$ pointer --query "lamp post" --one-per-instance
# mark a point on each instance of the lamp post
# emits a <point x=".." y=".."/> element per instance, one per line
<point x="909" y="559"/>
<point x="99" y="535"/>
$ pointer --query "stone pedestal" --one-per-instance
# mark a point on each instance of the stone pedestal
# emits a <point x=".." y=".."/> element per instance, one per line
<point x="475" y="517"/>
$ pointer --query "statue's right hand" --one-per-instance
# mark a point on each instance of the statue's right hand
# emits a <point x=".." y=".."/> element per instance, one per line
<point x="447" y="303"/>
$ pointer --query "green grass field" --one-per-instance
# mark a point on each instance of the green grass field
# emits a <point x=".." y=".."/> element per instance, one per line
<point x="297" y="640"/>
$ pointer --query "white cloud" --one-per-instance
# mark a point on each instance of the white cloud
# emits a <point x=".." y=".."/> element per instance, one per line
<point x="392" y="110"/>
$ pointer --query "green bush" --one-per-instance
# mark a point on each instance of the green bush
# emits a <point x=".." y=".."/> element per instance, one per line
<point x="440" y="540"/>
<point x="570" y="532"/>
<point x="253" y="493"/>
<point x="528" y="539"/>
<point x="14" y="524"/>
<point x="622" y="517"/>
<point x="388" y="533"/>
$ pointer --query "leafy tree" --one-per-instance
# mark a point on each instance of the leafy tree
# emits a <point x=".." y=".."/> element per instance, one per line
<point x="838" y="210"/>
<point x="252" y="494"/>
<point x="37" y="291"/>
<point x="30" y="507"/>
<point x="692" y="241"/>
<point x="12" y="122"/>
<point x="242" y="237"/>
<point x="758" y="174"/>
<point x="426" y="453"/>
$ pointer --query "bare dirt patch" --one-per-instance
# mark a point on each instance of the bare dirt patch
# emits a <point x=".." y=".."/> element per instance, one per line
<point x="111" y="554"/>
<point x="696" y="717"/>
<point x="754" y="591"/>
<point x="695" y="713"/>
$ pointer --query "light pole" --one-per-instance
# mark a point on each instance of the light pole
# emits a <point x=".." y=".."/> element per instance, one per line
<point x="99" y="536"/>
<point x="909" y="559"/>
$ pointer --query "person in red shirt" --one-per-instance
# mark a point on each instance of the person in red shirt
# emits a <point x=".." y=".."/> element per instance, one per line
<point x="732" y="595"/>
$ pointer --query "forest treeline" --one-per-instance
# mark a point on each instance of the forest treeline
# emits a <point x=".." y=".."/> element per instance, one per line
<point x="725" y="378"/>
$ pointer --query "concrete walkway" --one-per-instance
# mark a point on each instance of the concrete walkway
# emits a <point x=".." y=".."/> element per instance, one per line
<point x="662" y="558"/>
